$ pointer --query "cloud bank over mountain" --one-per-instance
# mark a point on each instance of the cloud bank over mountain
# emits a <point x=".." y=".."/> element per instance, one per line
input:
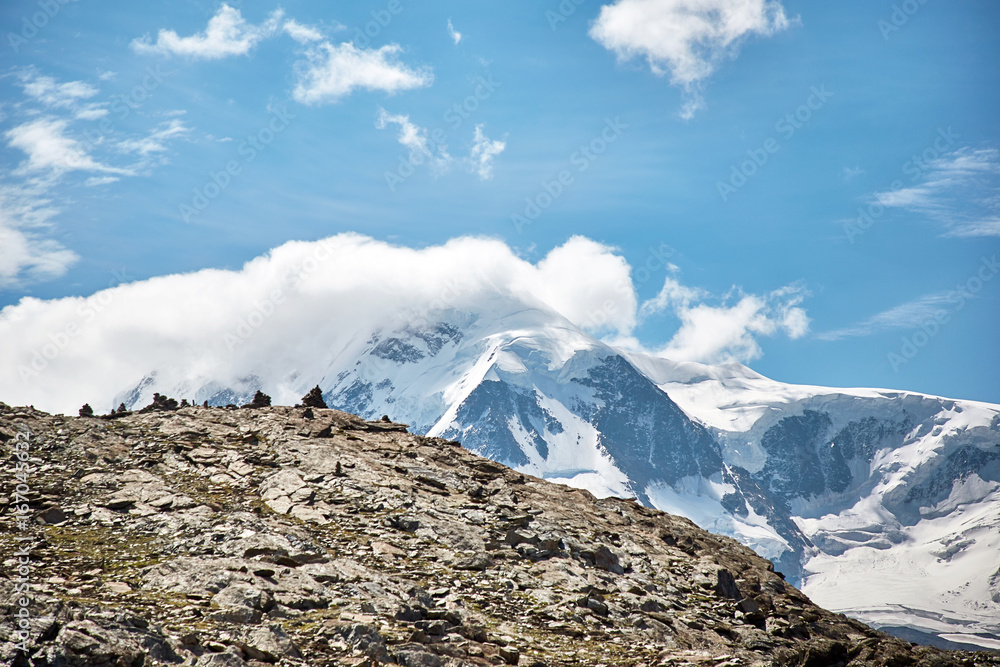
<point x="303" y="301"/>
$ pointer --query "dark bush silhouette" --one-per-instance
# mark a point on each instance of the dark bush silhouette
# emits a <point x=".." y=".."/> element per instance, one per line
<point x="86" y="410"/>
<point x="314" y="399"/>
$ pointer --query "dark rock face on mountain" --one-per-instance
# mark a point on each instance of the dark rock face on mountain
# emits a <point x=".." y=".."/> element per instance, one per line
<point x="490" y="408"/>
<point x="230" y="537"/>
<point x="648" y="436"/>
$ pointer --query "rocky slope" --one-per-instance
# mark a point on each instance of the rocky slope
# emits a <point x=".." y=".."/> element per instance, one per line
<point x="218" y="537"/>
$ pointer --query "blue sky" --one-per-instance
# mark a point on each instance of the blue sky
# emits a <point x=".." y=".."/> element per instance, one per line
<point x="820" y="177"/>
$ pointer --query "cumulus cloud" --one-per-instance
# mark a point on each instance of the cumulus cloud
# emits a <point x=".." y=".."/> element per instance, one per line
<point x="685" y="38"/>
<point x="224" y="326"/>
<point x="483" y="152"/>
<point x="727" y="329"/>
<point x="957" y="190"/>
<point x="325" y="74"/>
<point x="455" y="35"/>
<point x="188" y="325"/>
<point x="331" y="72"/>
<point x="227" y="34"/>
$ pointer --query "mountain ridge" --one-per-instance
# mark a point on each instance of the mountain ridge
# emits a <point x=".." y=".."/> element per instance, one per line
<point x="816" y="479"/>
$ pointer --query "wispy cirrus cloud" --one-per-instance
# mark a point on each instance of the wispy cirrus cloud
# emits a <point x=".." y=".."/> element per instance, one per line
<point x="26" y="210"/>
<point x="484" y="151"/>
<point x="303" y="34"/>
<point x="422" y="149"/>
<point x="414" y="139"/>
<point x="71" y="95"/>
<point x="455" y="35"/>
<point x="46" y="129"/>
<point x="909" y="315"/>
<point x="50" y="149"/>
<point x="155" y="141"/>
<point x="685" y="38"/>
<point x="958" y="191"/>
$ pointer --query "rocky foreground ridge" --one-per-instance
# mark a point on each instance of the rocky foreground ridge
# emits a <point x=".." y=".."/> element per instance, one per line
<point x="287" y="536"/>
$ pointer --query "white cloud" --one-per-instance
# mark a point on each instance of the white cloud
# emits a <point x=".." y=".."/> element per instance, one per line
<point x="95" y="181"/>
<point x="484" y="150"/>
<point x="423" y="150"/>
<point x="673" y="295"/>
<point x="957" y="190"/>
<point x="414" y="139"/>
<point x="589" y="284"/>
<point x="332" y="72"/>
<point x="47" y="91"/>
<point x="178" y="324"/>
<point x="303" y="34"/>
<point x="154" y="142"/>
<point x="25" y="210"/>
<point x="455" y="35"/>
<point x="909" y="315"/>
<point x="685" y="38"/>
<point x="49" y="149"/>
<point x="726" y="331"/>
<point x="227" y="34"/>
<point x="848" y="174"/>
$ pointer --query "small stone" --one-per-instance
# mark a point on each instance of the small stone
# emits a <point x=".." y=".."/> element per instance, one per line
<point x="510" y="655"/>
<point x="53" y="516"/>
<point x="118" y="587"/>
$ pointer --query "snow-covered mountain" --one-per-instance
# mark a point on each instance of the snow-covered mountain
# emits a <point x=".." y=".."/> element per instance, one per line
<point x="884" y="505"/>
